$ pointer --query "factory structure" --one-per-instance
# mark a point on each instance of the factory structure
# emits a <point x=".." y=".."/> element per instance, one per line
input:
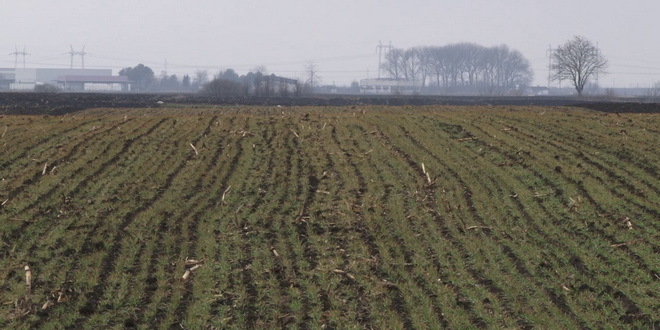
<point x="67" y="80"/>
<point x="389" y="86"/>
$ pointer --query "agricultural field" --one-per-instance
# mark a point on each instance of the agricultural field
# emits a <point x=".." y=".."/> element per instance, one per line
<point x="330" y="217"/>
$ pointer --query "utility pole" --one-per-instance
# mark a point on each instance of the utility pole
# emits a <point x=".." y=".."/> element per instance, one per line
<point x="380" y="47"/>
<point x="72" y="53"/>
<point x="82" y="56"/>
<point x="16" y="53"/>
<point x="549" y="53"/>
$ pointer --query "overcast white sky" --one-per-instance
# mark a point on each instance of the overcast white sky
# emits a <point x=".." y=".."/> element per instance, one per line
<point x="340" y="36"/>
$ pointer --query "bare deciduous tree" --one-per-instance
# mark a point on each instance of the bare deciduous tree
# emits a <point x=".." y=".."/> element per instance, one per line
<point x="578" y="60"/>
<point x="462" y="67"/>
<point x="411" y="64"/>
<point x="394" y="63"/>
<point x="201" y="77"/>
<point x="654" y="91"/>
<point x="220" y="87"/>
<point x="283" y="89"/>
<point x="299" y="88"/>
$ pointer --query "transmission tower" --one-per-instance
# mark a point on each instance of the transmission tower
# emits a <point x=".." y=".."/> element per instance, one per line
<point x="16" y="53"/>
<point x="380" y="47"/>
<point x="82" y="54"/>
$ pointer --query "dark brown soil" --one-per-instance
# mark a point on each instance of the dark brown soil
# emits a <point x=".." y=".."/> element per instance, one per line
<point x="62" y="103"/>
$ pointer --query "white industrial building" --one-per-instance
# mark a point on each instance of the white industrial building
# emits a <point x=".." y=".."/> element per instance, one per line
<point x="389" y="86"/>
<point x="74" y="80"/>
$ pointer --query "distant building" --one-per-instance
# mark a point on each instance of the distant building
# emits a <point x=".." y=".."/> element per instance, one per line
<point x="389" y="86"/>
<point x="6" y="78"/>
<point x="537" y="91"/>
<point x="273" y="84"/>
<point x="72" y="80"/>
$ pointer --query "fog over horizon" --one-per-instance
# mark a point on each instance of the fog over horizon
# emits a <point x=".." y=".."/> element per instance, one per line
<point x="340" y="37"/>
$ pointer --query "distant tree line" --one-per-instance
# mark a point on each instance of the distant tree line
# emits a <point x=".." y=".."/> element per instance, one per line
<point x="227" y="83"/>
<point x="144" y="80"/>
<point x="459" y="67"/>
<point x="257" y="82"/>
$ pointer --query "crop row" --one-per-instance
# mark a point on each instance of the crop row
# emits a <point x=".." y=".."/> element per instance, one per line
<point x="369" y="217"/>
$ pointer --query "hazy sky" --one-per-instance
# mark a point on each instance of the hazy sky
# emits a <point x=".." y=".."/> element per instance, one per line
<point x="340" y="36"/>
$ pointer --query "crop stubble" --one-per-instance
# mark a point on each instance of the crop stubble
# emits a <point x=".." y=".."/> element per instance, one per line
<point x="324" y="216"/>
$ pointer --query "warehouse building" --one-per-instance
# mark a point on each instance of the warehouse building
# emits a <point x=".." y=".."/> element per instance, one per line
<point x="389" y="86"/>
<point x="69" y="80"/>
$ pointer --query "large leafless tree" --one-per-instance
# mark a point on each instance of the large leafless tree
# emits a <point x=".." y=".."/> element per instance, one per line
<point x="394" y="63"/>
<point x="200" y="78"/>
<point x="578" y="60"/>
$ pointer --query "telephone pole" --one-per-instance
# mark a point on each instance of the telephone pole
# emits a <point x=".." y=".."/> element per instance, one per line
<point x="380" y="47"/>
<point x="549" y="53"/>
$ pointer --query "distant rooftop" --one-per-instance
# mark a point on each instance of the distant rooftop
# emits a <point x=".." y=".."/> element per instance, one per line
<point x="93" y="79"/>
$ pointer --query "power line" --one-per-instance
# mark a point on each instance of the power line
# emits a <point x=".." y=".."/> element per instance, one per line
<point x="16" y="53"/>
<point x="634" y="60"/>
<point x="636" y="67"/>
<point x="74" y="53"/>
<point x="636" y="73"/>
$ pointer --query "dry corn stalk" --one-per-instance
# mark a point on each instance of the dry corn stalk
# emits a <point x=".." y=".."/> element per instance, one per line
<point x="477" y="227"/>
<point x="193" y="262"/>
<point x="627" y="243"/>
<point x="277" y="255"/>
<point x="573" y="204"/>
<point x="294" y="133"/>
<point x="388" y="283"/>
<point x="28" y="279"/>
<point x="195" y="149"/>
<point x="186" y="274"/>
<point x="46" y="305"/>
<point x="345" y="273"/>
<point x="628" y="223"/>
<point x="196" y="264"/>
<point x="5" y="132"/>
<point x="428" y="177"/>
<point x="225" y="193"/>
<point x="45" y="167"/>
